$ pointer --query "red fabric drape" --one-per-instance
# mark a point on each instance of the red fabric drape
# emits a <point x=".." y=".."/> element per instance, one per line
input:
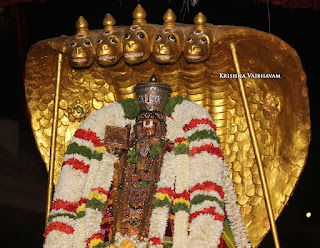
<point x="294" y="4"/>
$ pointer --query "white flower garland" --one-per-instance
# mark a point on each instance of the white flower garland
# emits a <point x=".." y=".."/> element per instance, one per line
<point x="180" y="173"/>
<point x="159" y="216"/>
<point x="75" y="184"/>
<point x="203" y="231"/>
<point x="234" y="215"/>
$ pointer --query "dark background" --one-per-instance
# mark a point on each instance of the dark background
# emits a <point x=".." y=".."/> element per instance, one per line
<point x="23" y="177"/>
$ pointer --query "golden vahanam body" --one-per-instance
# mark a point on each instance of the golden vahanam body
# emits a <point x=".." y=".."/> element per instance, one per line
<point x="279" y="106"/>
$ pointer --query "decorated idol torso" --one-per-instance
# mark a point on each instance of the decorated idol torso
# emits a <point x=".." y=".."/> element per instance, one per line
<point x="140" y="165"/>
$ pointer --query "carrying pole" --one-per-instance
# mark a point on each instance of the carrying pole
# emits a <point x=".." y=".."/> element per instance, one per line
<point x="54" y="137"/>
<point x="256" y="148"/>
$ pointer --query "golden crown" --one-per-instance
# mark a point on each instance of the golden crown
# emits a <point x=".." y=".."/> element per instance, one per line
<point x="152" y="96"/>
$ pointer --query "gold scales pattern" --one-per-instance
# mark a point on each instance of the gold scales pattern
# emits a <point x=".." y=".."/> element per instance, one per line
<point x="279" y="107"/>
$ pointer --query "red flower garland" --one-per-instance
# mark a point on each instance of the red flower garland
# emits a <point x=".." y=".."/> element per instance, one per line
<point x="76" y="164"/>
<point x="89" y="136"/>
<point x="208" y="186"/>
<point x="195" y="122"/>
<point x="100" y="190"/>
<point x="185" y="195"/>
<point x="59" y="226"/>
<point x="167" y="190"/>
<point x="169" y="148"/>
<point x="66" y="205"/>
<point x="94" y="236"/>
<point x="211" y="211"/>
<point x="155" y="241"/>
<point x="210" y="148"/>
<point x="180" y="139"/>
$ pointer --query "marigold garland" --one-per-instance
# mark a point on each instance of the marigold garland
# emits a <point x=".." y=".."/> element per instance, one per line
<point x="167" y="190"/>
<point x="181" y="202"/>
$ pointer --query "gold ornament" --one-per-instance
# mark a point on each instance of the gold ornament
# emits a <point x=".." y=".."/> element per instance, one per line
<point x="136" y="45"/>
<point x="169" y="19"/>
<point x="167" y="44"/>
<point x="81" y="51"/>
<point x="197" y="46"/>
<point x="139" y="16"/>
<point x="108" y="22"/>
<point x="274" y="83"/>
<point x="109" y="44"/>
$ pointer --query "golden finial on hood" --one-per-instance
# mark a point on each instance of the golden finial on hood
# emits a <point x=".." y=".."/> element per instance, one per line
<point x="200" y="21"/>
<point x="139" y="16"/>
<point x="108" y="23"/>
<point x="82" y="26"/>
<point x="169" y="19"/>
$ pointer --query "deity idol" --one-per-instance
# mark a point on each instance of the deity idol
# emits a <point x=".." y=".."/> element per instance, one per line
<point x="146" y="172"/>
<point x="70" y="77"/>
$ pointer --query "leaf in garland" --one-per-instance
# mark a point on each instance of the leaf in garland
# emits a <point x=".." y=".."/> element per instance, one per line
<point x="181" y="149"/>
<point x="101" y="245"/>
<point x="131" y="108"/>
<point x="204" y="134"/>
